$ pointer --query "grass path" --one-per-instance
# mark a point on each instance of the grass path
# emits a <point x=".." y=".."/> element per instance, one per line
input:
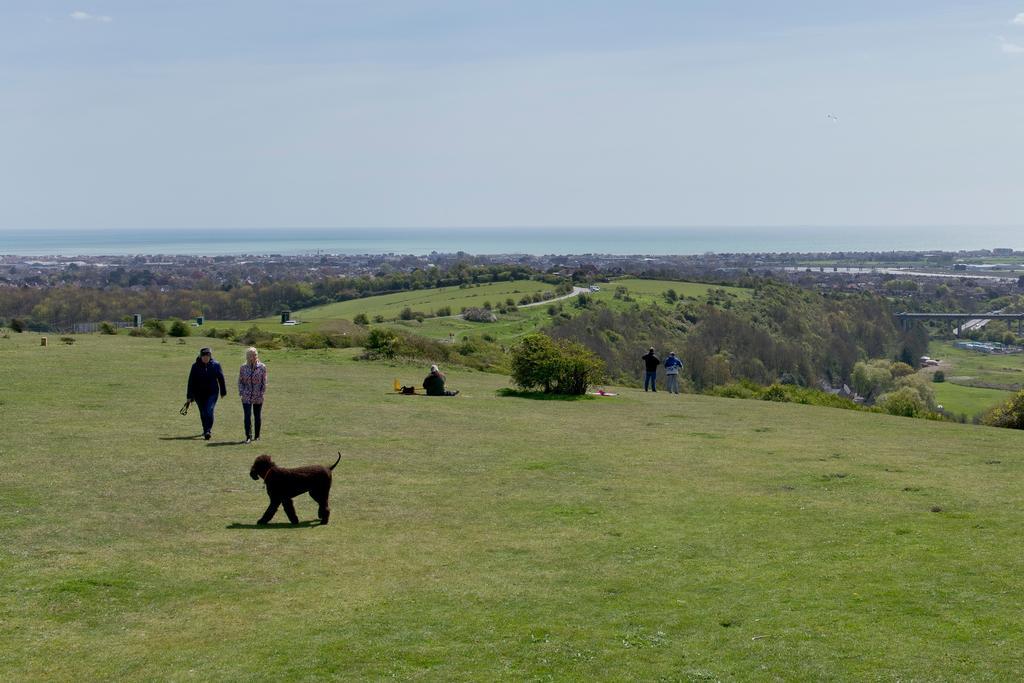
<point x="645" y="537"/>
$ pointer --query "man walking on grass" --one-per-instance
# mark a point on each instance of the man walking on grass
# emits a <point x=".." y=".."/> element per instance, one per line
<point x="672" y="367"/>
<point x="651" y="363"/>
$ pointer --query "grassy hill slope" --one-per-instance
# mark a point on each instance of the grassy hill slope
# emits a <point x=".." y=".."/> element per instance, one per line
<point x="507" y="329"/>
<point x="645" y="536"/>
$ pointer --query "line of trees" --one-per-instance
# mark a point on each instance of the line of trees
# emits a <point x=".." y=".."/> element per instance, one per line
<point x="59" y="307"/>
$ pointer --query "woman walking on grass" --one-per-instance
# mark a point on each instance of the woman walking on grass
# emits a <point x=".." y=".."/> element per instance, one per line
<point x="204" y="380"/>
<point x="252" y="385"/>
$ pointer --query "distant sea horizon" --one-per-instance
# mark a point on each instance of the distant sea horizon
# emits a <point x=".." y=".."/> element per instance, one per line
<point x="634" y="240"/>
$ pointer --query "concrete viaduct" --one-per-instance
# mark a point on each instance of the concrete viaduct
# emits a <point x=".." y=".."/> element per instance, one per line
<point x="958" y="319"/>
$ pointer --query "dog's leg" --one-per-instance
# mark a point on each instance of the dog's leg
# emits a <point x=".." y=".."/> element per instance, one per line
<point x="271" y="510"/>
<point x="289" y="509"/>
<point x="321" y="498"/>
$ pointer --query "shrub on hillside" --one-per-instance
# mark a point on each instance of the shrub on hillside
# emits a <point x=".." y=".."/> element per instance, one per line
<point x="107" y="328"/>
<point x="479" y="315"/>
<point x="254" y="336"/>
<point x="921" y="386"/>
<point x="381" y="342"/>
<point x="150" y="328"/>
<point x="737" y="390"/>
<point x="388" y="343"/>
<point x="1009" y="414"/>
<point x="784" y="393"/>
<point x="18" y="325"/>
<point x="361" y="319"/>
<point x="221" y="333"/>
<point x="556" y="367"/>
<point x="179" y="329"/>
<point x="871" y="378"/>
<point x="899" y="369"/>
<point x="904" y="402"/>
<point x="939" y="376"/>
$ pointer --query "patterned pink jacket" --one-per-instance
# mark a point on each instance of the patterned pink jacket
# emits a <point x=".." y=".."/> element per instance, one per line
<point x="252" y="382"/>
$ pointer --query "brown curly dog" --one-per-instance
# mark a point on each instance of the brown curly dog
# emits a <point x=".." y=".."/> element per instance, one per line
<point x="284" y="483"/>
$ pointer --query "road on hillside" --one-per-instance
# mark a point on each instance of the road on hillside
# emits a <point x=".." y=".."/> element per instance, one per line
<point x="576" y="291"/>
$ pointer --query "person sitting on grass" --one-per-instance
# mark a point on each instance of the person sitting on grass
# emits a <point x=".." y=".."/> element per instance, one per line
<point x="434" y="383"/>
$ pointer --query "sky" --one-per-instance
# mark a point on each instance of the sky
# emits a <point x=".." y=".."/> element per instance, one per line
<point x="456" y="113"/>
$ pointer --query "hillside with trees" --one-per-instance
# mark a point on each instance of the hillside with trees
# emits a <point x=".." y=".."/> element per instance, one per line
<point x="781" y="333"/>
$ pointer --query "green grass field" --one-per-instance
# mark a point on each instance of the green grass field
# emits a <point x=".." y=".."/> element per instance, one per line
<point x="971" y="368"/>
<point x="970" y="401"/>
<point x="508" y="328"/>
<point x="654" y="289"/>
<point x="641" y="537"/>
<point x="390" y="305"/>
<point x="975" y="382"/>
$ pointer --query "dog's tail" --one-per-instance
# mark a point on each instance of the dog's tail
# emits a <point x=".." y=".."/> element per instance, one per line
<point x="335" y="462"/>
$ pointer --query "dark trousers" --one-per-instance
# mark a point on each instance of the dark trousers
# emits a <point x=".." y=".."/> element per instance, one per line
<point x="206" y="404"/>
<point x="649" y="380"/>
<point x="252" y="410"/>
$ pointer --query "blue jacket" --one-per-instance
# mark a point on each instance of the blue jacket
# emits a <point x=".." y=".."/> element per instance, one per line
<point x="672" y="362"/>
<point x="204" y="380"/>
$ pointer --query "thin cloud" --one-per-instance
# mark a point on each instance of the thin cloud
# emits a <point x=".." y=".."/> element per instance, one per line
<point x="1019" y="19"/>
<point x="1009" y="48"/>
<point x="85" y="16"/>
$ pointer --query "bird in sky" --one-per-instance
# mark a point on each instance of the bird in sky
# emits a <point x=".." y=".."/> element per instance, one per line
<point x="833" y="118"/>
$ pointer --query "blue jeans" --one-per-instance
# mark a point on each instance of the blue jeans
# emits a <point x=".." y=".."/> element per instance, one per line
<point x="252" y="410"/>
<point x="649" y="380"/>
<point x="206" y="406"/>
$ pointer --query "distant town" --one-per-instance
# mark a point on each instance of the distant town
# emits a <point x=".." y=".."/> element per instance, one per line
<point x="997" y="269"/>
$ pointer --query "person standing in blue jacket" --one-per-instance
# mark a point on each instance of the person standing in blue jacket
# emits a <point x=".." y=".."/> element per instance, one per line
<point x="672" y="367"/>
<point x="205" y="384"/>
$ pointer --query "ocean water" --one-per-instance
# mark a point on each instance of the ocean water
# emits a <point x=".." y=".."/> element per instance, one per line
<point x="537" y="241"/>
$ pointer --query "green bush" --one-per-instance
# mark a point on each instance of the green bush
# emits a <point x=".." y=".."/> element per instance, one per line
<point x="223" y="333"/>
<point x="360" y="319"/>
<point x="555" y="367"/>
<point x="871" y="378"/>
<point x="733" y="391"/>
<point x="179" y="329"/>
<point x="904" y="402"/>
<point x="18" y="325"/>
<point x="107" y="328"/>
<point x="1009" y="414"/>
<point x="939" y="376"/>
<point x="921" y="386"/>
<point x="254" y="336"/>
<point x="150" y="328"/>
<point x="784" y="393"/>
<point x="381" y="342"/>
<point x="900" y="369"/>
